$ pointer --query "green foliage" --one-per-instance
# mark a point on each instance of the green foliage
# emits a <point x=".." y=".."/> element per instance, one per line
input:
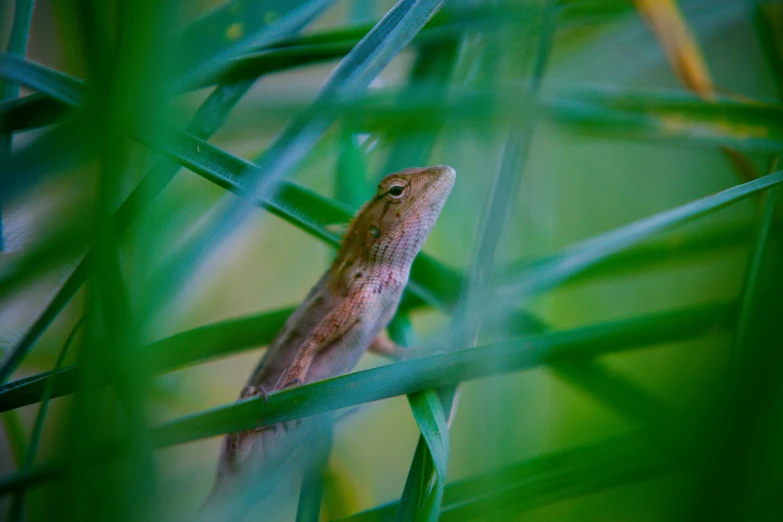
<point x="600" y="286"/>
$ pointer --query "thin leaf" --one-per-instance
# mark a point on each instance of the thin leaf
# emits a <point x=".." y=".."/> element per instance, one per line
<point x="15" y="434"/>
<point x="738" y="472"/>
<point x="207" y="119"/>
<point x="681" y="47"/>
<point x="427" y="476"/>
<point x="424" y="488"/>
<point x="238" y="26"/>
<point x="764" y="15"/>
<point x="347" y="82"/>
<point x="17" y="504"/>
<point x="545" y="480"/>
<point x="753" y="272"/>
<point x="184" y="349"/>
<point x="443" y="370"/>
<point x="17" y="45"/>
<point x="429" y="372"/>
<point x="554" y="270"/>
<point x="309" y="508"/>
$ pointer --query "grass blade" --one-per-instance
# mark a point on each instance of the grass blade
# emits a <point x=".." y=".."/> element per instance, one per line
<point x="16" y="511"/>
<point x="434" y="372"/>
<point x="17" y="45"/>
<point x="183" y="349"/>
<point x="554" y="270"/>
<point x="424" y="488"/>
<point x="443" y="370"/>
<point x="544" y="480"/>
<point x="739" y="462"/>
<point x="238" y="26"/>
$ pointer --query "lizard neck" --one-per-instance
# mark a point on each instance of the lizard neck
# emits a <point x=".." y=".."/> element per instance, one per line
<point x="349" y="273"/>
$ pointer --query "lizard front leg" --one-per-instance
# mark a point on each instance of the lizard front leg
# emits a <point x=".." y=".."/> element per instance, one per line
<point x="337" y="325"/>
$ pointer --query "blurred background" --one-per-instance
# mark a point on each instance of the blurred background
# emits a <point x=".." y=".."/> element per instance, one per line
<point x="566" y="121"/>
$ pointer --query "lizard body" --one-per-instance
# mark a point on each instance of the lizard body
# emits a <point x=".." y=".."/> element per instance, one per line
<point x="346" y="312"/>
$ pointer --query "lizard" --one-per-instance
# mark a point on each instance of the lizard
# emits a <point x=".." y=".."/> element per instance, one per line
<point x="348" y="309"/>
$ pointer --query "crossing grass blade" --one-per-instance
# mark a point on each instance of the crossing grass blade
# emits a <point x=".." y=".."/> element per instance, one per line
<point x="434" y="372"/>
<point x="545" y="480"/>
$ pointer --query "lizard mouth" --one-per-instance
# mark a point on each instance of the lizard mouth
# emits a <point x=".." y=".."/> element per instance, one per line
<point x="435" y="195"/>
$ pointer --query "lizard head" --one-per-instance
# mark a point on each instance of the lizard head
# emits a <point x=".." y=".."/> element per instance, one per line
<point x="392" y="226"/>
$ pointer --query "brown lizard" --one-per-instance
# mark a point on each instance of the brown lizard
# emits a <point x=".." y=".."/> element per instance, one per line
<point x="348" y="309"/>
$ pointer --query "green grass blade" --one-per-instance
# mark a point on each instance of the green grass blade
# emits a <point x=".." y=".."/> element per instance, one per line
<point x="429" y="79"/>
<point x="545" y="480"/>
<point x="16" y="512"/>
<point x="738" y="457"/>
<point x="433" y="372"/>
<point x="17" y="45"/>
<point x="183" y="349"/>
<point x="673" y="249"/>
<point x="753" y="272"/>
<point x="447" y="369"/>
<point x="309" y="508"/>
<point x="17" y="42"/>
<point x="208" y="118"/>
<point x="554" y="270"/>
<point x="765" y="16"/>
<point x="424" y="488"/>
<point x="238" y="26"/>
<point x="347" y="82"/>
<point x="15" y="434"/>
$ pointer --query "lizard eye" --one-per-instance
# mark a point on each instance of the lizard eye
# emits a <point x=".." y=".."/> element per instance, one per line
<point x="396" y="191"/>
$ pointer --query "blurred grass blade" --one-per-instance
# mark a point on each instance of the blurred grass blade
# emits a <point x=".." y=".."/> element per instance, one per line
<point x="424" y="487"/>
<point x="423" y="490"/>
<point x="766" y="18"/>
<point x="309" y="508"/>
<point x="350" y="177"/>
<point x="429" y="80"/>
<point x="15" y="434"/>
<point x="40" y="78"/>
<point x="208" y="118"/>
<point x="347" y="82"/>
<point x="556" y="269"/>
<point x="681" y="47"/>
<point x="17" y="45"/>
<point x="739" y="460"/>
<point x="753" y="272"/>
<point x="238" y="26"/>
<point x="16" y="511"/>
<point x="544" y="480"/>
<point x="183" y="349"/>
<point x="687" y="60"/>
